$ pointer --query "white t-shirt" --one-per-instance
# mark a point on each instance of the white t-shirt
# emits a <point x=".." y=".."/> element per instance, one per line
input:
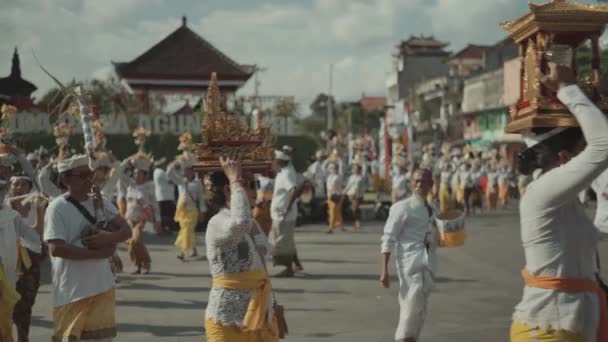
<point x="283" y="184"/>
<point x="74" y="280"/>
<point x="164" y="190"/>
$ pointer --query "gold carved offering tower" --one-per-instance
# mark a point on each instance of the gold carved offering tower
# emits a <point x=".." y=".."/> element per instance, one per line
<point x="553" y="31"/>
<point x="224" y="134"/>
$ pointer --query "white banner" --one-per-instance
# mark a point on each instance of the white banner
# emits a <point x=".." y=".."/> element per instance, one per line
<point x="113" y="123"/>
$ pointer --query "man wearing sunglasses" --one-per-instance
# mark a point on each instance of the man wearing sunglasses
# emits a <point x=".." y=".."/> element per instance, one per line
<point x="83" y="283"/>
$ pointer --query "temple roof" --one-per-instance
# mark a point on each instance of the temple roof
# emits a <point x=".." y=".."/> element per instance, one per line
<point x="422" y="45"/>
<point x="183" y="55"/>
<point x="13" y="84"/>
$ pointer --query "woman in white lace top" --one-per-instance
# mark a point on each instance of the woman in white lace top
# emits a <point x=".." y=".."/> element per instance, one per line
<point x="562" y="300"/>
<point x="237" y="249"/>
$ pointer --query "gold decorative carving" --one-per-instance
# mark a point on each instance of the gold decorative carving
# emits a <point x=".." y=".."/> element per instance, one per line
<point x="554" y="22"/>
<point x="224" y="134"/>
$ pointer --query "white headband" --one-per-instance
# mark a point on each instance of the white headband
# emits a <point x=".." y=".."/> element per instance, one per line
<point x="280" y="155"/>
<point x="72" y="163"/>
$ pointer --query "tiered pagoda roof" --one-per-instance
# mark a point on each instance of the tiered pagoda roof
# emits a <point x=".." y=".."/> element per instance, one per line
<point x="183" y="59"/>
<point x="422" y="45"/>
<point x="13" y="85"/>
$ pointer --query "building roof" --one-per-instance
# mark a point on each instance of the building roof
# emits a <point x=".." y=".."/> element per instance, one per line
<point x="372" y="104"/>
<point x="13" y="84"/>
<point x="417" y="45"/>
<point x="183" y="55"/>
<point x="471" y="51"/>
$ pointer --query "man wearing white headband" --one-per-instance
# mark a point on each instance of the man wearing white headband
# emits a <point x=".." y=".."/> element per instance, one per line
<point x="283" y="211"/>
<point x="319" y="175"/>
<point x="83" y="283"/>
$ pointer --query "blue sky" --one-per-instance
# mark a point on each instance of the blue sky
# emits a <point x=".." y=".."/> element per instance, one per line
<point x="295" y="39"/>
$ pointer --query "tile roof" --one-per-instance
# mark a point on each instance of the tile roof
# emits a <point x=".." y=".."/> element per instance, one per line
<point x="183" y="55"/>
<point x="372" y="104"/>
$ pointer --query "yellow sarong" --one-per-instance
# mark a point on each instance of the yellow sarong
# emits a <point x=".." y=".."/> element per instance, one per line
<point x="8" y="298"/>
<point x="89" y="318"/>
<point x="187" y="219"/>
<point x="122" y="207"/>
<point x="523" y="333"/>
<point x="460" y="196"/>
<point x="335" y="214"/>
<point x="445" y="199"/>
<point x="256" y="327"/>
<point x="503" y="193"/>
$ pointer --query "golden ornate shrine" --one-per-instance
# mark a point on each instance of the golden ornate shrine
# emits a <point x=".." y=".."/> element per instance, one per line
<point x="223" y="134"/>
<point x="556" y="22"/>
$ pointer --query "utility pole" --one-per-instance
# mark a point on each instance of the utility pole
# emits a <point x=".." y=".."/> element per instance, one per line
<point x="330" y="109"/>
<point x="256" y="96"/>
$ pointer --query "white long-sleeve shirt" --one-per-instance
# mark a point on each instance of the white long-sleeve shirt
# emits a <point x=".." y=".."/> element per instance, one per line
<point x="334" y="184"/>
<point x="13" y="227"/>
<point x="559" y="239"/>
<point x="235" y="243"/>
<point x="165" y="191"/>
<point x="407" y="229"/>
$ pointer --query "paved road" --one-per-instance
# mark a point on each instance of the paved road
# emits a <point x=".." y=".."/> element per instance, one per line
<point x="338" y="298"/>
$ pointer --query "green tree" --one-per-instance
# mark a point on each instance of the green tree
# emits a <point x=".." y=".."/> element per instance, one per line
<point x="285" y="108"/>
<point x="317" y="121"/>
<point x="583" y="63"/>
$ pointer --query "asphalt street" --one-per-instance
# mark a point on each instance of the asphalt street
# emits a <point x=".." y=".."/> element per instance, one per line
<point x="338" y="296"/>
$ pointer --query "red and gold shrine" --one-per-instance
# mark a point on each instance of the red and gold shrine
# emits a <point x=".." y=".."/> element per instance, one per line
<point x="224" y="134"/>
<point x="547" y="30"/>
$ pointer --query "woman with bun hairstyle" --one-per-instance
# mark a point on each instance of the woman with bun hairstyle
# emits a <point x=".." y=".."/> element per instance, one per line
<point x="562" y="300"/>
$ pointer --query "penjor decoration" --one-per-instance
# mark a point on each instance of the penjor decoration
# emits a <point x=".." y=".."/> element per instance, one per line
<point x="551" y="32"/>
<point x="223" y="134"/>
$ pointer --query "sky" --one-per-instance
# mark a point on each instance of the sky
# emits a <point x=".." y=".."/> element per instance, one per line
<point x="296" y="40"/>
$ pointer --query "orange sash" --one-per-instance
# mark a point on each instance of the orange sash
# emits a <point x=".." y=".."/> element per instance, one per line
<point x="573" y="285"/>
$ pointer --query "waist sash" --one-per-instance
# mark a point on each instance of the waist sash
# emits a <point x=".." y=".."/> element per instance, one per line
<point x="256" y="281"/>
<point x="573" y="285"/>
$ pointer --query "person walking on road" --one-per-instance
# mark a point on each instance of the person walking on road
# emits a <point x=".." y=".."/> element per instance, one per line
<point x="562" y="300"/>
<point x="410" y="233"/>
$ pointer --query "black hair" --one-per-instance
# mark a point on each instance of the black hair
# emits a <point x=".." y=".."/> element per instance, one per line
<point x="218" y="181"/>
<point x="546" y="153"/>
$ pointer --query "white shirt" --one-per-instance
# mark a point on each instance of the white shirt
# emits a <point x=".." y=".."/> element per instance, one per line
<point x="318" y="175"/>
<point x="334" y="184"/>
<point x="13" y="227"/>
<point x="407" y="229"/>
<point x="559" y="239"/>
<point x="466" y="179"/>
<point x="192" y="190"/>
<point x="600" y="186"/>
<point x="492" y="179"/>
<point x="110" y="186"/>
<point x="355" y="186"/>
<point x="140" y="197"/>
<point x="164" y="190"/>
<point x="401" y="184"/>
<point x="446" y="176"/>
<point x="284" y="183"/>
<point x="74" y="280"/>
